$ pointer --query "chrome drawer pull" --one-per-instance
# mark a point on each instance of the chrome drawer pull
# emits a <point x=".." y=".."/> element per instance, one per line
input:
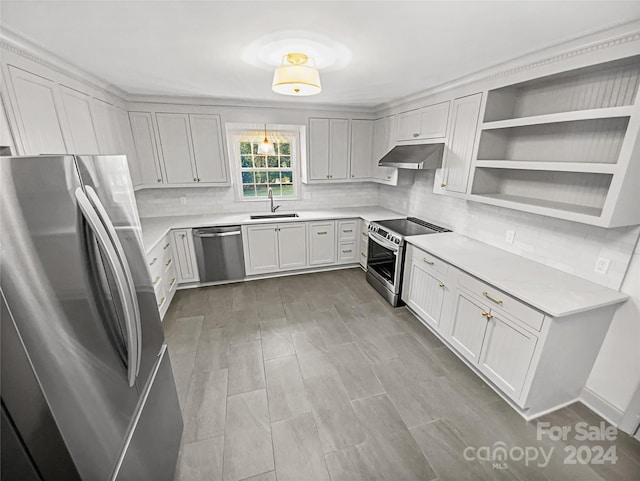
<point x="155" y="281"/>
<point x="153" y="261"/>
<point x="346" y="231"/>
<point x="486" y="294"/>
<point x="167" y="246"/>
<point x="363" y="254"/>
<point x="428" y="262"/>
<point x="322" y="233"/>
<point x="168" y="262"/>
<point x="162" y="299"/>
<point x="441" y="284"/>
<point x="346" y="252"/>
<point x="173" y="281"/>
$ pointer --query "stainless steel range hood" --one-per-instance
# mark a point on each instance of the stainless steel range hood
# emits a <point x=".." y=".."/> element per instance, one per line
<point x="422" y="156"/>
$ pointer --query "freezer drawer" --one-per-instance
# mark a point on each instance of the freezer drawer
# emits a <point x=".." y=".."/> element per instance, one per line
<point x="153" y="449"/>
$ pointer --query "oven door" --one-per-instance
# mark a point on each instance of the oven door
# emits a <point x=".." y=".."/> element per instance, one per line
<point x="384" y="261"/>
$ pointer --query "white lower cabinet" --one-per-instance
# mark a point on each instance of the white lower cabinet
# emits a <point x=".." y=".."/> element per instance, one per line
<point x="275" y="247"/>
<point x="322" y="243"/>
<point x="363" y="244"/>
<point x="292" y="246"/>
<point x="506" y="354"/>
<point x="426" y="294"/>
<point x="261" y="248"/>
<point x="468" y="326"/>
<point x="187" y="265"/>
<point x="162" y="269"/>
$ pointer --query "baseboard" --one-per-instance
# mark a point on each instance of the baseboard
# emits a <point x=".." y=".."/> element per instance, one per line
<point x="601" y="406"/>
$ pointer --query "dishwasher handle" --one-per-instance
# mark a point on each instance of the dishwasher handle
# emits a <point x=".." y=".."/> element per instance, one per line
<point x="221" y="234"/>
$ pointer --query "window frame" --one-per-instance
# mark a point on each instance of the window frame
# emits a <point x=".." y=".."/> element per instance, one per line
<point x="235" y="135"/>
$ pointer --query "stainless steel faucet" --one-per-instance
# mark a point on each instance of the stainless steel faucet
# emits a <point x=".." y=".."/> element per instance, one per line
<point x="270" y="196"/>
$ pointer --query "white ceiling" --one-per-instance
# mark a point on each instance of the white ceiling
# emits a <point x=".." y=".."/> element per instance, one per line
<point x="397" y="48"/>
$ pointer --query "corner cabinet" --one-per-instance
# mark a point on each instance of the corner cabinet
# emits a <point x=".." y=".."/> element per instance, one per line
<point x="146" y="147"/>
<point x="535" y="361"/>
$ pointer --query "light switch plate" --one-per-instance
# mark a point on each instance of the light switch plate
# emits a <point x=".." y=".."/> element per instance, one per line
<point x="602" y="265"/>
<point x="511" y="234"/>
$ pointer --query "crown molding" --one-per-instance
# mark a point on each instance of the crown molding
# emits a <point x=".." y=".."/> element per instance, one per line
<point x="29" y="50"/>
<point x="613" y="37"/>
<point x="242" y="103"/>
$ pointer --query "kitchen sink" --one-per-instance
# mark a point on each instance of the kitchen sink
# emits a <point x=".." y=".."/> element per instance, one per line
<point x="273" y="216"/>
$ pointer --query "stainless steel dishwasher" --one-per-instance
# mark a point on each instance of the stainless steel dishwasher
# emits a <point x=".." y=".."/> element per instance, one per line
<point x="219" y="253"/>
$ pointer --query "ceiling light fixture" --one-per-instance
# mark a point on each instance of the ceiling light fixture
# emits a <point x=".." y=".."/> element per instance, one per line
<point x="296" y="76"/>
<point x="266" y="146"/>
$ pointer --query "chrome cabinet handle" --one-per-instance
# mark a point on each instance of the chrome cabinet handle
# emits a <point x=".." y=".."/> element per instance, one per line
<point x="347" y="231"/>
<point x="346" y="252"/>
<point x="443" y="185"/>
<point x="162" y="299"/>
<point x="167" y="246"/>
<point x="363" y="254"/>
<point x="155" y="281"/>
<point x="168" y="262"/>
<point x="486" y="294"/>
<point x="416" y="134"/>
<point x="173" y="281"/>
<point x="441" y="284"/>
<point x="322" y="233"/>
<point x="428" y="262"/>
<point x="364" y="234"/>
<point x="153" y="261"/>
<point x="101" y="235"/>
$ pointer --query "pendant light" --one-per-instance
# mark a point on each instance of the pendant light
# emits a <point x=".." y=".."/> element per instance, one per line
<point x="296" y="76"/>
<point x="266" y="146"/>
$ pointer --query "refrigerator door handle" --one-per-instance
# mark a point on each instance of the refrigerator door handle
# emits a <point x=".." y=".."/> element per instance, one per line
<point x="111" y="230"/>
<point x="103" y="239"/>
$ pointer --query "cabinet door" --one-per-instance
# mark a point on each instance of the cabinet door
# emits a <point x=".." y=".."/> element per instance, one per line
<point x="261" y="254"/>
<point x="6" y="139"/>
<point x="457" y="161"/>
<point x="176" y="148"/>
<point x="207" y="148"/>
<point x="106" y="127"/>
<point x="347" y="252"/>
<point x="506" y="354"/>
<point x="433" y="121"/>
<point x="184" y="253"/>
<point x="426" y="294"/>
<point x="383" y="142"/>
<point x="322" y="243"/>
<point x="339" y="149"/>
<point x="408" y="125"/>
<point x="468" y="327"/>
<point x="292" y="245"/>
<point x="145" y="144"/>
<point x="318" y="149"/>
<point x="361" y="148"/>
<point x="77" y="109"/>
<point x="37" y="111"/>
<point x="126" y="138"/>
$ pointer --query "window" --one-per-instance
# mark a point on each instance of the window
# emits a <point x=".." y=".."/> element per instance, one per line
<point x="255" y="172"/>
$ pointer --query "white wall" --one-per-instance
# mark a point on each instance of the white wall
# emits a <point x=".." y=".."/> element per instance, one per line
<point x="616" y="373"/>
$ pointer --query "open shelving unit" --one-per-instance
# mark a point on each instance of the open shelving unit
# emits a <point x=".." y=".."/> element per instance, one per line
<point x="565" y="145"/>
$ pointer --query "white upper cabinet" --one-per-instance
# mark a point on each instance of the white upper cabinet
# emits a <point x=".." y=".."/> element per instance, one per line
<point x="457" y="159"/>
<point x="361" y="148"/>
<point x="6" y="139"/>
<point x="425" y="123"/>
<point x="128" y="144"/>
<point x="77" y="108"/>
<point x="37" y="108"/>
<point x="191" y="148"/>
<point x="383" y="141"/>
<point x="176" y="148"/>
<point x="206" y="134"/>
<point x="145" y="144"/>
<point x="328" y="149"/>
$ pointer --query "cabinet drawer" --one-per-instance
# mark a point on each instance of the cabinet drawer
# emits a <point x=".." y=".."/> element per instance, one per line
<point x="429" y="262"/>
<point x="363" y="257"/>
<point x="170" y="281"/>
<point x="501" y="301"/>
<point x="347" y="252"/>
<point x="347" y="230"/>
<point x="161" y="295"/>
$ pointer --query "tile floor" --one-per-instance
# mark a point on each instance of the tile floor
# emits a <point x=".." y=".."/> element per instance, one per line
<point x="314" y="377"/>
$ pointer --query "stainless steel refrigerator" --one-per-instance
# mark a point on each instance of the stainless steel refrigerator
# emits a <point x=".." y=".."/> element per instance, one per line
<point x="86" y="384"/>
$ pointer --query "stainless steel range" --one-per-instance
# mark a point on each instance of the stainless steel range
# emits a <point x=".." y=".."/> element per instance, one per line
<point x="385" y="261"/>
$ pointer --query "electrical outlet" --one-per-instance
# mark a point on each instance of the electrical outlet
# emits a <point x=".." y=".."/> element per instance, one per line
<point x="602" y="265"/>
<point x="183" y="201"/>
<point x="511" y="234"/>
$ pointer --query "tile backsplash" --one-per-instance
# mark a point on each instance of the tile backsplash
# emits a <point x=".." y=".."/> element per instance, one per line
<point x="568" y="246"/>
<point x="203" y="200"/>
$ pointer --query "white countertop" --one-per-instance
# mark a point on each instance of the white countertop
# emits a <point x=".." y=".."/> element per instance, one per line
<point x="549" y="290"/>
<point x="155" y="228"/>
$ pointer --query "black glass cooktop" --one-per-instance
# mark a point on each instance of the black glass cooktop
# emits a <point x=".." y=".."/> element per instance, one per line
<point x="410" y="226"/>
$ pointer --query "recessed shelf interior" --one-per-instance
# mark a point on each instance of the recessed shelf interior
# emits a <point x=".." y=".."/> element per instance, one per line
<point x="578" y="192"/>
<point x="593" y="140"/>
<point x="610" y="84"/>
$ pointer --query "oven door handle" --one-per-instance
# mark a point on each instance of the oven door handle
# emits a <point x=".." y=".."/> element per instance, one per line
<point x="384" y="242"/>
